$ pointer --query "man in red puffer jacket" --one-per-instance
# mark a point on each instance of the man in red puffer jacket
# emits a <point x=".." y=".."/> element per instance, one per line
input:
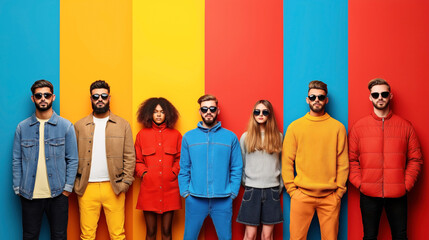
<point x="385" y="161"/>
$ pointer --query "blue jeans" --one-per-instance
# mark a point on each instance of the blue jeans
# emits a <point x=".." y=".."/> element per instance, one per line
<point x="197" y="209"/>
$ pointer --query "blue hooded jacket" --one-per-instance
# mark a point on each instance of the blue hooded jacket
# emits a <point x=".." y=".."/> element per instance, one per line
<point x="210" y="163"/>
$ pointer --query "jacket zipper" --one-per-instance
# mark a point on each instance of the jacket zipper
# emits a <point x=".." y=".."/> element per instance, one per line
<point x="207" y="166"/>
<point x="382" y="168"/>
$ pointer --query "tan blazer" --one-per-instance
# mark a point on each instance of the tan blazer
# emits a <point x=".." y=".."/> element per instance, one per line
<point x="120" y="153"/>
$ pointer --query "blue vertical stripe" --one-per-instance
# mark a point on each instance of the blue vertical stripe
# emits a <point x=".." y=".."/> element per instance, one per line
<point x="315" y="48"/>
<point x="29" y="50"/>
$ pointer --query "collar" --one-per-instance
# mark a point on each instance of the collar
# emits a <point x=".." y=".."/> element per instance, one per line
<point x="389" y="115"/>
<point x="213" y="129"/>
<point x="317" y="119"/>
<point x="53" y="120"/>
<point x="162" y="126"/>
<point x="89" y="119"/>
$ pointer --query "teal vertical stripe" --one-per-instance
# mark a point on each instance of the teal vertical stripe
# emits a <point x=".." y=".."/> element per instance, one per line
<point x="315" y="48"/>
<point x="29" y="50"/>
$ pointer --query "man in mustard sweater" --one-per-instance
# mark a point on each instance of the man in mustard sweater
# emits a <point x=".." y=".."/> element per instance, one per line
<point x="315" y="146"/>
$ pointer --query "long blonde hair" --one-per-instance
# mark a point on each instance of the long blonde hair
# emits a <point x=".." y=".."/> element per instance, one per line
<point x="272" y="140"/>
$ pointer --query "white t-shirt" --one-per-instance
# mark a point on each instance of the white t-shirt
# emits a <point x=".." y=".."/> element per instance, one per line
<point x="99" y="171"/>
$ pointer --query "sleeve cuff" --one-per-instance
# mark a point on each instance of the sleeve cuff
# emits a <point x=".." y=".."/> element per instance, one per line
<point x="185" y="194"/>
<point x="68" y="188"/>
<point x="141" y="173"/>
<point x="16" y="190"/>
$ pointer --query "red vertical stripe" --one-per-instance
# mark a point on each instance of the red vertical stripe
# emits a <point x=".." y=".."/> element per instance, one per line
<point x="389" y="39"/>
<point x="243" y="63"/>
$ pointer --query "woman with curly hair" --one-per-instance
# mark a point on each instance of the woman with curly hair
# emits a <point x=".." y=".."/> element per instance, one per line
<point x="158" y="154"/>
<point x="261" y="146"/>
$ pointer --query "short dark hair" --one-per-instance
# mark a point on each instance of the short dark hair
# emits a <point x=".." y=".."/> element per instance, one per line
<point x="378" y="81"/>
<point x="207" y="97"/>
<point x="99" y="84"/>
<point x="318" y="85"/>
<point x="40" y="84"/>
<point x="146" y="109"/>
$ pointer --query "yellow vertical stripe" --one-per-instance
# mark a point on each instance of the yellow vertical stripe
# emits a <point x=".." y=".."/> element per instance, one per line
<point x="168" y="61"/>
<point x="95" y="43"/>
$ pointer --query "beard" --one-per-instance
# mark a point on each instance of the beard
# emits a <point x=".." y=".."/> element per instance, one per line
<point x="210" y="122"/>
<point x="100" y="110"/>
<point x="317" y="110"/>
<point x="42" y="109"/>
<point x="381" y="107"/>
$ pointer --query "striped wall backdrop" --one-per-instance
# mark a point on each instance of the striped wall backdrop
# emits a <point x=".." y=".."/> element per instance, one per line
<point x="239" y="50"/>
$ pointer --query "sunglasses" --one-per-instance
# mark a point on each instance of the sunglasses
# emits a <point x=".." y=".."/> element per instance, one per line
<point x="313" y="97"/>
<point x="96" y="96"/>
<point x="40" y="95"/>
<point x="257" y="112"/>
<point x="383" y="94"/>
<point x="205" y="109"/>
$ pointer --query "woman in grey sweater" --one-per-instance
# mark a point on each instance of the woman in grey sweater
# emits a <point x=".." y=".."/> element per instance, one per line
<point x="261" y="146"/>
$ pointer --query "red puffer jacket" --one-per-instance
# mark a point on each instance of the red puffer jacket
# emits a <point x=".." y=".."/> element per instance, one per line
<point x="385" y="156"/>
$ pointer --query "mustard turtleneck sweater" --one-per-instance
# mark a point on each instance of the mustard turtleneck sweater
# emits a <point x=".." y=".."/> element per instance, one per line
<point x="317" y="146"/>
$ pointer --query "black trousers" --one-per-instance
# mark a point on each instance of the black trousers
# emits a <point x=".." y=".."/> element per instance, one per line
<point x="396" y="212"/>
<point x="56" y="210"/>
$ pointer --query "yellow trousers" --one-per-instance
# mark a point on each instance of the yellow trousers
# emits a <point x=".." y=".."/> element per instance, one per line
<point x="302" y="208"/>
<point x="97" y="195"/>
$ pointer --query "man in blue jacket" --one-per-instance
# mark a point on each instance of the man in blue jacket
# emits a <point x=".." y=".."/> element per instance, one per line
<point x="44" y="165"/>
<point x="210" y="172"/>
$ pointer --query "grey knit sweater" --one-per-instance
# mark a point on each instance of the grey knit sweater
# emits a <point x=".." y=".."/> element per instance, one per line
<point x="260" y="169"/>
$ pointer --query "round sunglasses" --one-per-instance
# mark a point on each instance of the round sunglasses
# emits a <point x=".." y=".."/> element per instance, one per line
<point x="205" y="109"/>
<point x="103" y="96"/>
<point x="40" y="95"/>
<point x="257" y="112"/>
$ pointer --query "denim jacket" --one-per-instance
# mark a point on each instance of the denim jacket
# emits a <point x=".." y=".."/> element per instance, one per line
<point x="60" y="154"/>
<point x="210" y="163"/>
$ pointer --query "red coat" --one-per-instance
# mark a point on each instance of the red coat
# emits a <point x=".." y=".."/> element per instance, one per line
<point x="158" y="154"/>
<point x="385" y="156"/>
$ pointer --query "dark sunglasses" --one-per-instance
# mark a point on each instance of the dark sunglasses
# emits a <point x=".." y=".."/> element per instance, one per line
<point x="313" y="97"/>
<point x="96" y="96"/>
<point x="257" y="112"/>
<point x="40" y="95"/>
<point x="205" y="109"/>
<point x="383" y="94"/>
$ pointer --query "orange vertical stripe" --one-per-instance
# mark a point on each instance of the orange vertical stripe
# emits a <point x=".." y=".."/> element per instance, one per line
<point x="95" y="43"/>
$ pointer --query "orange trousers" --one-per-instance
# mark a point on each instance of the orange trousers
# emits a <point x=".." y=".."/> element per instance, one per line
<point x="302" y="208"/>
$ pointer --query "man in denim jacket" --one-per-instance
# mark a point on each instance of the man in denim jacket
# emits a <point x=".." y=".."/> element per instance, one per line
<point x="44" y="163"/>
<point x="210" y="172"/>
